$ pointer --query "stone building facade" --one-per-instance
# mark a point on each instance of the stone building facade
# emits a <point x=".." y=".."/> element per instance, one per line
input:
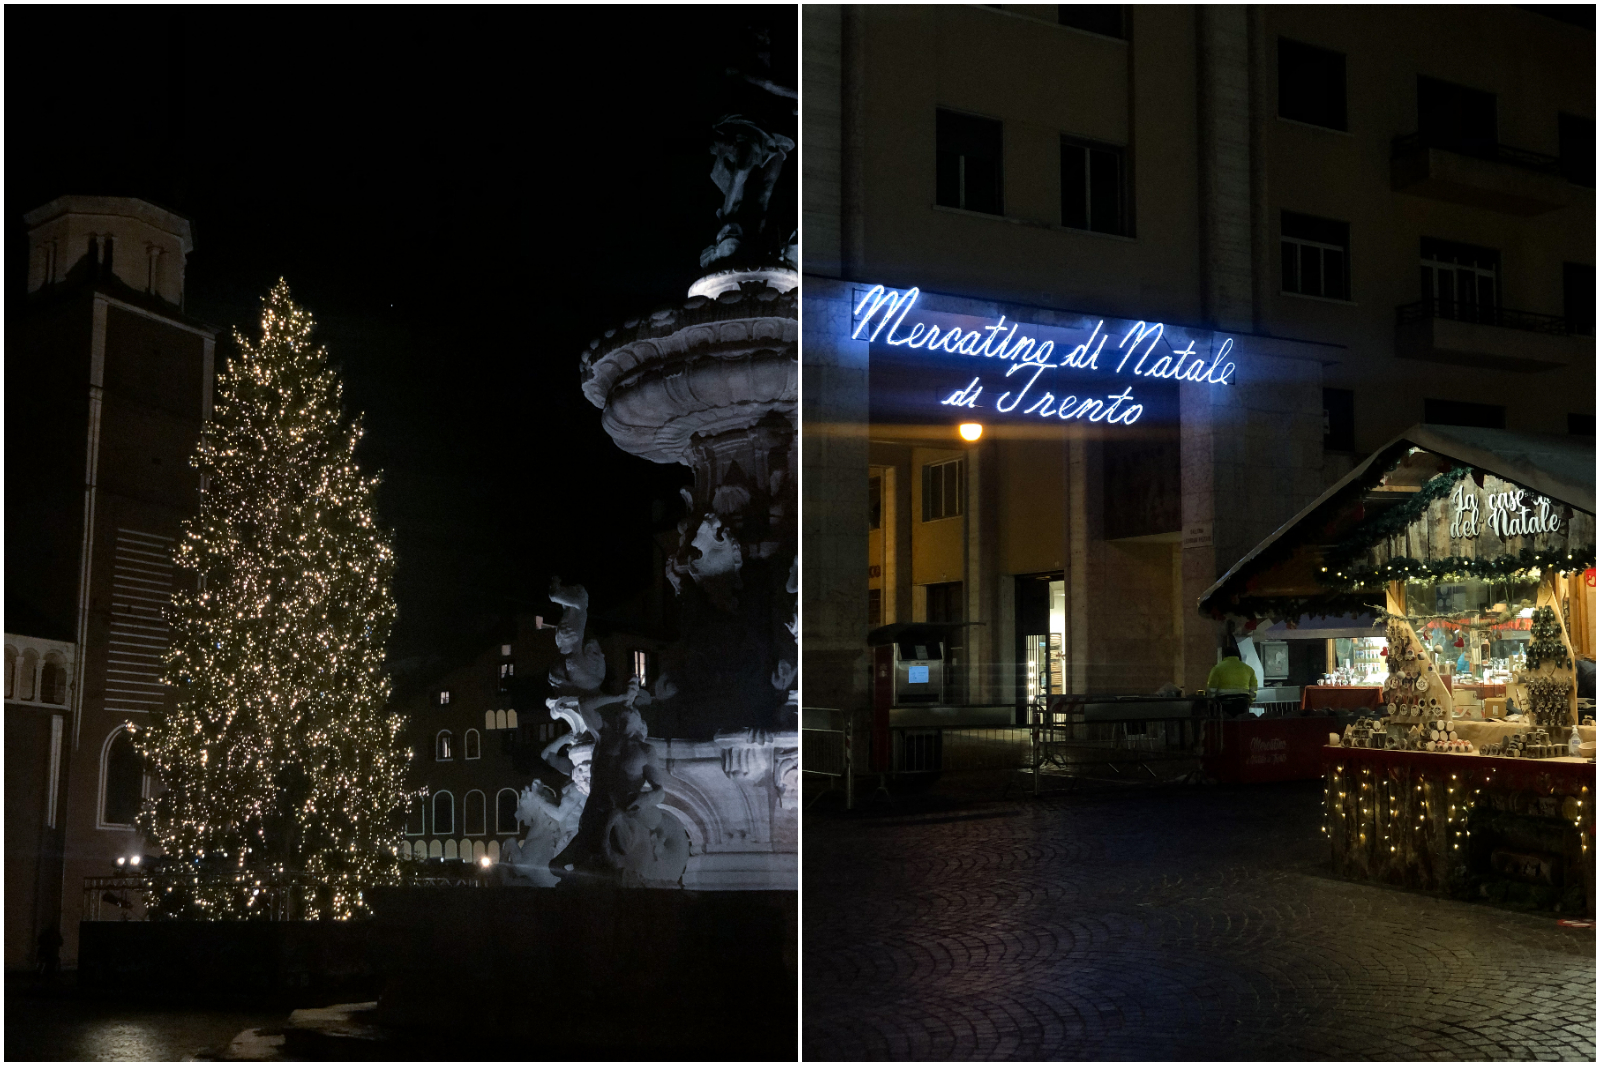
<point x="1277" y="177"/>
<point x="107" y="385"/>
<point x="476" y="731"/>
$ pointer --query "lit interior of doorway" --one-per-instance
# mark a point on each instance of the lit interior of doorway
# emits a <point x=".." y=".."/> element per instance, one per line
<point x="1046" y="663"/>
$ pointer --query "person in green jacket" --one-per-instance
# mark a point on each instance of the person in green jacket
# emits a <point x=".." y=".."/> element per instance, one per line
<point x="1232" y="673"/>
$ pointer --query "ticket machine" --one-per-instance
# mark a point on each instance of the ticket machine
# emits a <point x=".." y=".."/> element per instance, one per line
<point x="909" y="669"/>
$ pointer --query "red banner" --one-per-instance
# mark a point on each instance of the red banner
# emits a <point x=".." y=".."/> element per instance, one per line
<point x="1254" y="750"/>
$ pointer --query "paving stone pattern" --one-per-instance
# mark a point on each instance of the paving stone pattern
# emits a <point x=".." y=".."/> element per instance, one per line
<point x="1185" y="923"/>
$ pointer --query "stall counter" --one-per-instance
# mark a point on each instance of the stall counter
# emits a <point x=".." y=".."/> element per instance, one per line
<point x="1341" y="697"/>
<point x="1519" y="831"/>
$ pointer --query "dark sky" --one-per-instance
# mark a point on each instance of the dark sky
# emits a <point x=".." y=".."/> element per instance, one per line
<point x="463" y="198"/>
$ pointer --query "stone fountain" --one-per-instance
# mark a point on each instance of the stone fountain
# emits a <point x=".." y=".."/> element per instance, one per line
<point x="692" y="782"/>
<point x="712" y="383"/>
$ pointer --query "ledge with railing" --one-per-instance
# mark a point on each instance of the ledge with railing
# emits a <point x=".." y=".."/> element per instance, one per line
<point x="1481" y="314"/>
<point x="263" y="897"/>
<point x="1407" y="143"/>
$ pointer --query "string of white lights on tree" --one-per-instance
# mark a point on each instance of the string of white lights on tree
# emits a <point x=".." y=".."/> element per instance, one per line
<point x="277" y="757"/>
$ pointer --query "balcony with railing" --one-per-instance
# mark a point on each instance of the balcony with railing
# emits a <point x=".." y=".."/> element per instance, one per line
<point x="1479" y="173"/>
<point x="1483" y="335"/>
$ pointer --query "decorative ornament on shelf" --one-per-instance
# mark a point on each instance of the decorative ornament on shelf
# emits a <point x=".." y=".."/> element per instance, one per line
<point x="1546" y="645"/>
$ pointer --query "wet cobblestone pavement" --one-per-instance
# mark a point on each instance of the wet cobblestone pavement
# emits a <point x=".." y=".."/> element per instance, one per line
<point x="66" y="1028"/>
<point x="1181" y="923"/>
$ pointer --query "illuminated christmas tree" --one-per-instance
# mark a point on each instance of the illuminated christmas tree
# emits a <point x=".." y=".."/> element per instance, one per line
<point x="278" y="758"/>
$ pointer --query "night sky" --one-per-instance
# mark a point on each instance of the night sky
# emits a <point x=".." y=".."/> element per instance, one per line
<point x="462" y="199"/>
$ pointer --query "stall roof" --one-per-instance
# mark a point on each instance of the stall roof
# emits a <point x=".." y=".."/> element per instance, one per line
<point x="1308" y="628"/>
<point x="1560" y="467"/>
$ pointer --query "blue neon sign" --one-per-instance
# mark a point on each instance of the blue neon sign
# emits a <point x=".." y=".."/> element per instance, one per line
<point x="1018" y="356"/>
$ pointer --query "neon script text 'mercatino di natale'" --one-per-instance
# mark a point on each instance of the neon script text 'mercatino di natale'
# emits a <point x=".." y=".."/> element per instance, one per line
<point x="880" y="316"/>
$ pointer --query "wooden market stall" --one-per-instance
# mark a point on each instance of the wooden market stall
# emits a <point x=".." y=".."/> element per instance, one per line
<point x="1474" y="773"/>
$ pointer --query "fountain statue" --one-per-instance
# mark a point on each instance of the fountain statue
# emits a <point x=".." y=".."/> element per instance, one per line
<point x="710" y="383"/>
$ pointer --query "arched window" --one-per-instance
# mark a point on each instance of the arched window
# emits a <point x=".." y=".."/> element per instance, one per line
<point x="488" y="719"/>
<point x="477" y="850"/>
<point x="435" y="850"/>
<point x="493" y="851"/>
<point x="420" y="850"/>
<point x="415" y="817"/>
<point x="11" y="672"/>
<point x="53" y="679"/>
<point x="473" y="813"/>
<point x="450" y="851"/>
<point x="443" y="746"/>
<point x="505" y="811"/>
<point x="121" y="779"/>
<point x="511" y="719"/>
<point x="499" y="719"/>
<point x="444" y="813"/>
<point x="28" y="684"/>
<point x="472" y="745"/>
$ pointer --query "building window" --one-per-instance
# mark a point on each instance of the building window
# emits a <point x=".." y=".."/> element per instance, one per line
<point x="1456" y="117"/>
<point x="443" y="746"/>
<point x="1104" y="19"/>
<point x="471" y="745"/>
<point x="1577" y="149"/>
<point x="945" y="603"/>
<point x="474" y="813"/>
<point x="1577" y="283"/>
<point x="508" y="669"/>
<point x="968" y="167"/>
<point x="444" y="813"/>
<point x="1461" y="413"/>
<point x="30" y="675"/>
<point x="1311" y="84"/>
<point x="874" y="607"/>
<point x="641" y="667"/>
<point x="1460" y="280"/>
<point x="875" y="503"/>
<point x="1092" y="182"/>
<point x="941" y="490"/>
<point x="444" y="697"/>
<point x="1339" y="420"/>
<point x="53" y="675"/>
<point x="416" y="812"/>
<point x="1315" y="255"/>
<point x="505" y="811"/>
<point x="1580" y="425"/>
<point x="122" y="780"/>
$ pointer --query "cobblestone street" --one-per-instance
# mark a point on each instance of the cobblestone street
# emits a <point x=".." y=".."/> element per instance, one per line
<point x="1183" y="923"/>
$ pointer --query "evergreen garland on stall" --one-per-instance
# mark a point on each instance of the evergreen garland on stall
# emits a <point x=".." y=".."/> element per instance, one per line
<point x="1391" y="522"/>
<point x="1347" y="570"/>
<point x="277" y="758"/>
<point x="1458" y="568"/>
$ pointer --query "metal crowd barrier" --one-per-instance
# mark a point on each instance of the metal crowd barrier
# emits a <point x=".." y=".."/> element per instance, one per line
<point x="928" y="749"/>
<point x="829" y="753"/>
<point x="1127" y="739"/>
